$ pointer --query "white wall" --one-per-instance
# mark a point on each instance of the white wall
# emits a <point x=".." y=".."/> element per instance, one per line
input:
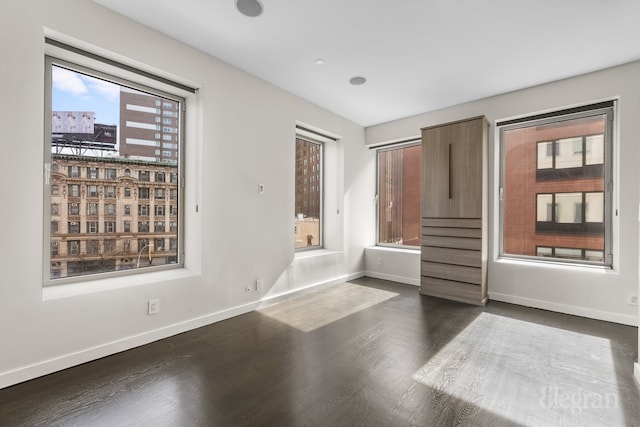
<point x="581" y="291"/>
<point x="240" y="133"/>
<point x="397" y="265"/>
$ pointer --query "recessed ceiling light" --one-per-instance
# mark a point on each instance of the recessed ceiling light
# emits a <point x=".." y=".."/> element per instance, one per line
<point x="250" y="8"/>
<point x="357" y="81"/>
<point x="319" y="61"/>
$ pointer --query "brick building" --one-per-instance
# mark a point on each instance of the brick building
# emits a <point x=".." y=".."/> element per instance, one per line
<point x="308" y="193"/>
<point x="399" y="196"/>
<point x="554" y="190"/>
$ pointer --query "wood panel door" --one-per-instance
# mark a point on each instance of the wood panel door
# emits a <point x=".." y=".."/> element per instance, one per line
<point x="466" y="140"/>
<point x="435" y="172"/>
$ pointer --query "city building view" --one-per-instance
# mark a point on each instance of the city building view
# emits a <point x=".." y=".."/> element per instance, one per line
<point x="554" y="199"/>
<point x="114" y="189"/>
<point x="308" y="194"/>
<point x="148" y="127"/>
<point x="111" y="214"/>
<point x="399" y="187"/>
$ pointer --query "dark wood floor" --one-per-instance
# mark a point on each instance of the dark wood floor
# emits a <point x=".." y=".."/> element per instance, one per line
<point x="364" y="353"/>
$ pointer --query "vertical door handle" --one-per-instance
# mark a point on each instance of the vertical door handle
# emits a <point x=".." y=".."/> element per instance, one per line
<point x="450" y="171"/>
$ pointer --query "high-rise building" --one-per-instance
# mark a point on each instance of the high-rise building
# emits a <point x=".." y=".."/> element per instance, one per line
<point x="148" y="127"/>
<point x="308" y="193"/>
<point x="308" y="165"/>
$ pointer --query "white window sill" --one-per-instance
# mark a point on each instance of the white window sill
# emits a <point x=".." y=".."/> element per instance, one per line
<point x="69" y="290"/>
<point x="392" y="249"/>
<point x="602" y="269"/>
<point x="315" y="253"/>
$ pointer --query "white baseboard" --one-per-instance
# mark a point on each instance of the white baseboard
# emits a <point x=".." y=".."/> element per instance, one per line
<point x="567" y="309"/>
<point x="394" y="278"/>
<point x="25" y="373"/>
<point x="354" y="276"/>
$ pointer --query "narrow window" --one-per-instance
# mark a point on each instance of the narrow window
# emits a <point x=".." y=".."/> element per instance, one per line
<point x="398" y="195"/>
<point x="74" y="190"/>
<point x="73" y="227"/>
<point x="92" y="227"/>
<point x="92" y="173"/>
<point x="92" y="191"/>
<point x="110" y="209"/>
<point x="74" y="209"/>
<point x="308" y="204"/>
<point x="109" y="191"/>
<point x="158" y="245"/>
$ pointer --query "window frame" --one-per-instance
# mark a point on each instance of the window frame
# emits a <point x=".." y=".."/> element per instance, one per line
<point x="126" y="76"/>
<point x="608" y="109"/>
<point x="390" y="147"/>
<point x="321" y="153"/>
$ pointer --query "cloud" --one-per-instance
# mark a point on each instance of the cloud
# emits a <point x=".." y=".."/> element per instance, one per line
<point x="80" y="84"/>
<point x="68" y="81"/>
<point x="107" y="90"/>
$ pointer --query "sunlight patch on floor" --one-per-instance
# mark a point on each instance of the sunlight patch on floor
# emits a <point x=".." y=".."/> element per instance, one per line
<point x="315" y="310"/>
<point x="572" y="379"/>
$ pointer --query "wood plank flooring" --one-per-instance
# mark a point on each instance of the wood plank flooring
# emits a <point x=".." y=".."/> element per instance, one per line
<point x="363" y="353"/>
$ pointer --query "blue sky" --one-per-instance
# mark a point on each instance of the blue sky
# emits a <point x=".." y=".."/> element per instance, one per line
<point x="73" y="91"/>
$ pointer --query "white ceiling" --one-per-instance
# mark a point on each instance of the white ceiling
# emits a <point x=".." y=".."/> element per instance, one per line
<point x="417" y="55"/>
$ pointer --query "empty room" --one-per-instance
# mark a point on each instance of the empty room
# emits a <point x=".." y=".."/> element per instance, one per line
<point x="295" y="213"/>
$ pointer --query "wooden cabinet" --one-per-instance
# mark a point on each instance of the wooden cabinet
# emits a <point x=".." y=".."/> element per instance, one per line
<point x="454" y="211"/>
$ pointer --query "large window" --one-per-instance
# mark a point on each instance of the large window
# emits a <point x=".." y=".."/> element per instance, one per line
<point x="556" y="185"/>
<point x="100" y="129"/>
<point x="308" y="196"/>
<point x="399" y="195"/>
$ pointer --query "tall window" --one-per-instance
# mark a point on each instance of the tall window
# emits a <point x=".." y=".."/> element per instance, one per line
<point x="399" y="196"/>
<point x="308" y="195"/>
<point x="556" y="185"/>
<point x="99" y="127"/>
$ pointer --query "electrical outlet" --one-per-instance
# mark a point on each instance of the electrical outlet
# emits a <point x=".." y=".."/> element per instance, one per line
<point x="153" y="306"/>
<point x="379" y="260"/>
<point x="632" y="298"/>
<point x="258" y="285"/>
